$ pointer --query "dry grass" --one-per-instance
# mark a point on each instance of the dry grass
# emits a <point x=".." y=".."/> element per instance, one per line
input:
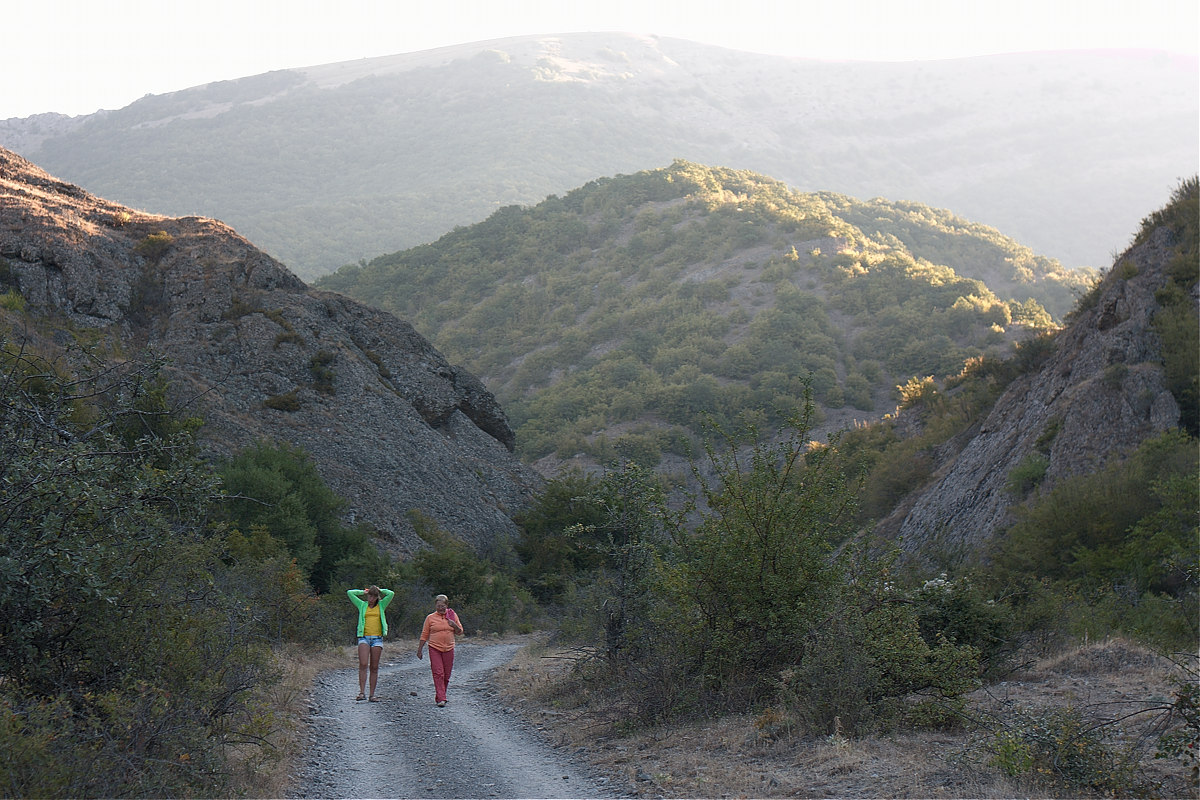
<point x="748" y="756"/>
<point x="263" y="771"/>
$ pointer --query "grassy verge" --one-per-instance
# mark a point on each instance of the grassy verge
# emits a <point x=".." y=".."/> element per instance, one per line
<point x="1105" y="698"/>
<point x="263" y="770"/>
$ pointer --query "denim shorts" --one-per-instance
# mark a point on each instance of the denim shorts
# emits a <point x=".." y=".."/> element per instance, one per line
<point x="372" y="641"/>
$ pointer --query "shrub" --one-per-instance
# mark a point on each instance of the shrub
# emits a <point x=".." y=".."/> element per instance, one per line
<point x="1114" y="375"/>
<point x="288" y="337"/>
<point x="867" y="668"/>
<point x="960" y="611"/>
<point x="917" y="391"/>
<point x="154" y="246"/>
<point x="1059" y="749"/>
<point x="104" y="546"/>
<point x="277" y="487"/>
<point x="12" y="300"/>
<point x="551" y="559"/>
<point x="488" y="597"/>
<point x="240" y="307"/>
<point x="760" y="566"/>
<point x="146" y="299"/>
<point x="320" y="366"/>
<point x="767" y="602"/>
<point x="1180" y="739"/>
<point x="288" y="401"/>
<point x="1100" y="525"/>
<point x="1028" y="474"/>
<point x="1176" y="325"/>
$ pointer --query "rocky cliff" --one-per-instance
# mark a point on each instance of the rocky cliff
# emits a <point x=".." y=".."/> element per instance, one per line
<point x="1101" y="393"/>
<point x="391" y="425"/>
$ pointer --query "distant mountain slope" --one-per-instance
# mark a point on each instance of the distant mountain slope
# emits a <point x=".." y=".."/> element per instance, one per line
<point x="391" y="425"/>
<point x="328" y="165"/>
<point x="621" y="314"/>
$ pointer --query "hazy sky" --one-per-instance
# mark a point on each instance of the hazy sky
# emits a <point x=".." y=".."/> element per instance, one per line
<point x="77" y="56"/>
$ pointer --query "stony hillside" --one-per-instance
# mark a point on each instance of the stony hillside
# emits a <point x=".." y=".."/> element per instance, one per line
<point x="392" y="426"/>
<point x="1102" y="392"/>
<point x="327" y="165"/>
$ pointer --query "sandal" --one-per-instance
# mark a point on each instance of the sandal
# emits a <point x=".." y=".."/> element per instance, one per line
<point x="373" y="699"/>
<point x="361" y="696"/>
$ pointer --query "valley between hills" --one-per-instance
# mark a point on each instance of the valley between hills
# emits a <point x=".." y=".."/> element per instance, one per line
<point x="780" y="491"/>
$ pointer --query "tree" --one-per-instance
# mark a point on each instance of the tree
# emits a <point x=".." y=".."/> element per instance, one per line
<point x="127" y="667"/>
<point x="552" y="560"/>
<point x="277" y="487"/>
<point x="755" y="592"/>
<point x="760" y="566"/>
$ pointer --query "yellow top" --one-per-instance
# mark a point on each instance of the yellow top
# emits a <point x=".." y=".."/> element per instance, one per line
<point x="372" y="626"/>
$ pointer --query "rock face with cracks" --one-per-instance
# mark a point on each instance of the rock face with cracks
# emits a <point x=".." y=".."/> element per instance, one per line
<point x="1100" y="394"/>
<point x="390" y="424"/>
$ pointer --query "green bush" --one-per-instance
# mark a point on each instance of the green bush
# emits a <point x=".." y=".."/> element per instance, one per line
<point x="103" y="544"/>
<point x="1114" y="550"/>
<point x="155" y="245"/>
<point x="276" y="487"/>
<point x="867" y="669"/>
<point x="240" y="307"/>
<point x="960" y="611"/>
<point x="1099" y="527"/>
<point x="486" y="594"/>
<point x="761" y="565"/>
<point x="12" y="300"/>
<point x="1027" y="475"/>
<point x="1061" y="750"/>
<point x="551" y="559"/>
<point x="288" y="401"/>
<point x="767" y="602"/>
<point x="1180" y="738"/>
<point x="320" y="366"/>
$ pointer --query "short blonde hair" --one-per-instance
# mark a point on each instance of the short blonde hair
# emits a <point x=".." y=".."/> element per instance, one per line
<point x="441" y="597"/>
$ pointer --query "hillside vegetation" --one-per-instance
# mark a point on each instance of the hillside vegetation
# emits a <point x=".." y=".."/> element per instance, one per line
<point x="782" y="607"/>
<point x="620" y="317"/>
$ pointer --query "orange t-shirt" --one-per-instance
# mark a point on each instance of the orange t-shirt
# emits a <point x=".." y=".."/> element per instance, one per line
<point x="438" y="633"/>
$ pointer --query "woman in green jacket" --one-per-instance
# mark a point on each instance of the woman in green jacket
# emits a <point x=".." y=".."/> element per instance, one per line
<point x="372" y="627"/>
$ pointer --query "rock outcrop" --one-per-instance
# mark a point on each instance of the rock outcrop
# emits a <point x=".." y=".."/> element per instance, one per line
<point x="392" y="426"/>
<point x="1100" y="394"/>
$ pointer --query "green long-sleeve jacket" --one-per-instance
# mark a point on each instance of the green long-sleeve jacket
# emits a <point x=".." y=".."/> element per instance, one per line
<point x="356" y="597"/>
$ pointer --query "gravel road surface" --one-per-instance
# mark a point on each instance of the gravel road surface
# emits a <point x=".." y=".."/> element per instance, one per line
<point x="405" y="746"/>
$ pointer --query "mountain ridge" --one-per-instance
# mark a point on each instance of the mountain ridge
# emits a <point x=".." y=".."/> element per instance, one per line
<point x="340" y="166"/>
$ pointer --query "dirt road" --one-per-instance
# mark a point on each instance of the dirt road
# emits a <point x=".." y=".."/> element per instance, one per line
<point x="405" y="746"/>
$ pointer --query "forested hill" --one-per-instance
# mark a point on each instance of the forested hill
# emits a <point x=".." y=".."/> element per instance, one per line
<point x="616" y="318"/>
<point x="327" y="165"/>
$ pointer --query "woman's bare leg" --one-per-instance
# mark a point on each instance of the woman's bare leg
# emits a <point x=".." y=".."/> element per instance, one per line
<point x="376" y="652"/>
<point x="362" y="668"/>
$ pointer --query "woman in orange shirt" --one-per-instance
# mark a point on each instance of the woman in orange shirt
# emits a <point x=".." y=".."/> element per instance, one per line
<point x="439" y="630"/>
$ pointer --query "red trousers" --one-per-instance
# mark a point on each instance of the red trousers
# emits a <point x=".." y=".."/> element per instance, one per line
<point x="441" y="664"/>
